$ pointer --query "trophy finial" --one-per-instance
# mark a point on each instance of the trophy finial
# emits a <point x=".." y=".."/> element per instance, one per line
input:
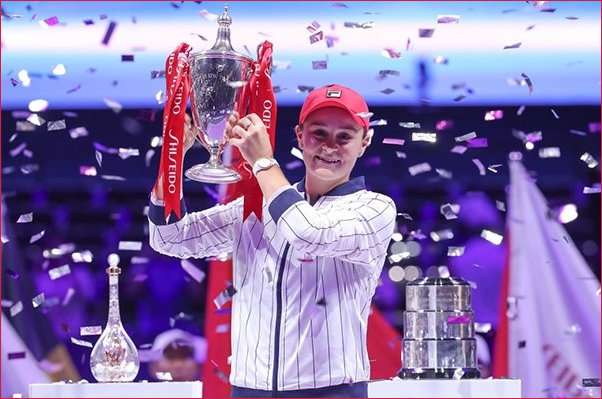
<point x="222" y="42"/>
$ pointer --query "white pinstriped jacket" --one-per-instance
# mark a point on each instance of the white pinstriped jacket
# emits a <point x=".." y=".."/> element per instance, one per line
<point x="304" y="279"/>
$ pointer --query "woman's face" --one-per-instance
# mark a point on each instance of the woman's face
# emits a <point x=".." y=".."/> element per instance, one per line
<point x="331" y="141"/>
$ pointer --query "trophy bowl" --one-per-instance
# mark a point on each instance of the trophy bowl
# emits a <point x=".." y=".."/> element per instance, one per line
<point x="218" y="79"/>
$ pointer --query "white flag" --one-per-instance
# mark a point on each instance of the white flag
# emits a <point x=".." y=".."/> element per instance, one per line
<point x="553" y="313"/>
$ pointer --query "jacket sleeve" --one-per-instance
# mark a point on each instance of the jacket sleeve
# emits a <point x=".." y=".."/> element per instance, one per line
<point x="357" y="229"/>
<point x="198" y="234"/>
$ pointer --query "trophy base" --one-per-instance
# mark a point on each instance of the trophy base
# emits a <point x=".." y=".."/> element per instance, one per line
<point x="439" y="373"/>
<point x="217" y="174"/>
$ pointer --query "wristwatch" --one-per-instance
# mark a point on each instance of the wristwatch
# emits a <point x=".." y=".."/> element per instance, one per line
<point x="263" y="163"/>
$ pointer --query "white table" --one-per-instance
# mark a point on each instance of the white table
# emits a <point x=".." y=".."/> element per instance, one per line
<point x="167" y="389"/>
<point x="468" y="388"/>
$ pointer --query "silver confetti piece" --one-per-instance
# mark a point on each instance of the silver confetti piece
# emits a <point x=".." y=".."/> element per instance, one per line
<point x="59" y="272"/>
<point x="37" y="300"/>
<point x="316" y="65"/>
<point x="112" y="177"/>
<point x="90" y="330"/>
<point x="163" y="376"/>
<point x="378" y="122"/>
<point x="419" y="168"/>
<point x="589" y="160"/>
<point x="410" y="125"/>
<point x="455" y="251"/>
<point x="480" y="165"/>
<point x="130" y="245"/>
<point x="81" y="342"/>
<point x="449" y="211"/>
<point x="36" y="119"/>
<point x="25" y="218"/>
<point x="549" y="152"/>
<point x="424" y="136"/>
<point x="591" y="190"/>
<point x="16" y="309"/>
<point x="36" y="237"/>
<point x="125" y="153"/>
<point x="500" y="206"/>
<point x="68" y="295"/>
<point x="442" y="235"/>
<point x="78" y="132"/>
<point x="316" y="37"/>
<point x="56" y="125"/>
<point x="24" y="126"/>
<point x="492" y="237"/>
<point x="446" y="174"/>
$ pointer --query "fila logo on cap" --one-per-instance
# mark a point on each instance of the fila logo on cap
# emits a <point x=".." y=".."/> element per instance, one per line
<point x="333" y="94"/>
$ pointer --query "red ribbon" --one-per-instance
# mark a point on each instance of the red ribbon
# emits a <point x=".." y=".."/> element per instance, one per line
<point x="262" y="102"/>
<point x="177" y="74"/>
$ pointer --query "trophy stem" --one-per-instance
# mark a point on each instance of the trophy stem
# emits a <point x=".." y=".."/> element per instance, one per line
<point x="213" y="171"/>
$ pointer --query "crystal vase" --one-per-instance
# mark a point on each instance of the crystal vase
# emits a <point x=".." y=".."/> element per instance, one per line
<point x="114" y="358"/>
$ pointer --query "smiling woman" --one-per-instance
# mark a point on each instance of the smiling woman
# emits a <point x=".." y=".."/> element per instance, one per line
<point x="474" y="52"/>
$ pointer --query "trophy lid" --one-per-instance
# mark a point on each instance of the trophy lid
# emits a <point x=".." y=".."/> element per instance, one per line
<point x="113" y="269"/>
<point x="439" y="281"/>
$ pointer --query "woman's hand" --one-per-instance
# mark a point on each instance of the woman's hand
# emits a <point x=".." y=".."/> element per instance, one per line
<point x="249" y="135"/>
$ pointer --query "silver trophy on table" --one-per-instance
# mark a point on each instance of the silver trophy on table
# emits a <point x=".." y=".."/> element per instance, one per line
<point x="438" y="326"/>
<point x="218" y="77"/>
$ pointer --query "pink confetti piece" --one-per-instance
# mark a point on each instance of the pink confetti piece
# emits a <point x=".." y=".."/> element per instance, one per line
<point x="389" y="140"/>
<point x="444" y="124"/>
<point x="458" y="149"/>
<point x="476" y="143"/>
<point x="51" y="21"/>
<point x="494" y="115"/>
<point x="87" y="170"/>
<point x="594" y="127"/>
<point x="109" y="32"/>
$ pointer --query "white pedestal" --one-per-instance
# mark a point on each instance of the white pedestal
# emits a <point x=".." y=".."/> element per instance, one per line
<point x="167" y="389"/>
<point x="398" y="388"/>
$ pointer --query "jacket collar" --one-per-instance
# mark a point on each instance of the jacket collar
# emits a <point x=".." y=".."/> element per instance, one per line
<point x="349" y="187"/>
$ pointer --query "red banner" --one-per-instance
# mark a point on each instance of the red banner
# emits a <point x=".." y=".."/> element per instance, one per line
<point x="263" y="103"/>
<point x="170" y="168"/>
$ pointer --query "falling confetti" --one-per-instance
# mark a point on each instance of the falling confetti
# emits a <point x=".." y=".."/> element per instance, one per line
<point x="130" y="245"/>
<point x="80" y="342"/>
<point x="419" y="168"/>
<point x="109" y="33"/>
<point x="528" y="82"/>
<point x="197" y="274"/>
<point x="90" y="330"/>
<point x="448" y="19"/>
<point x="492" y="237"/>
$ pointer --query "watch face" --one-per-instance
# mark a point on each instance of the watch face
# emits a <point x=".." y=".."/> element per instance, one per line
<point x="264" y="162"/>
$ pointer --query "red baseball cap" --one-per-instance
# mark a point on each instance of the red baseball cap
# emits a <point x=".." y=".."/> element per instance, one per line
<point x="337" y="96"/>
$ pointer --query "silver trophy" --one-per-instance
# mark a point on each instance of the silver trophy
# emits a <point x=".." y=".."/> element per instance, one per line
<point x="438" y="326"/>
<point x="218" y="77"/>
